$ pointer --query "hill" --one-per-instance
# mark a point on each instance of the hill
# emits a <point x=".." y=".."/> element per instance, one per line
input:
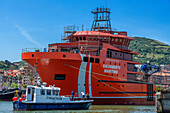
<point x="7" y="65"/>
<point x="150" y="50"/>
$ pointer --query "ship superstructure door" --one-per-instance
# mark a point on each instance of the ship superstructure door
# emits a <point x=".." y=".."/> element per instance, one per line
<point x="30" y="94"/>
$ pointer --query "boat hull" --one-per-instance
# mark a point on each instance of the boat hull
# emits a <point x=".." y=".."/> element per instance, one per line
<point x="17" y="105"/>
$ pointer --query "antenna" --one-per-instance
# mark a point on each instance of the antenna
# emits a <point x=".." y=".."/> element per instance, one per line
<point x="101" y="20"/>
<point x="106" y="3"/>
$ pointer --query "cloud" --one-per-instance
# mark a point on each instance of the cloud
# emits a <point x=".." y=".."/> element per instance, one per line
<point x="27" y="36"/>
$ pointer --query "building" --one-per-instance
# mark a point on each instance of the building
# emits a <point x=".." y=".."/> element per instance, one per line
<point x="1" y="79"/>
<point x="29" y="76"/>
<point x="1" y="76"/>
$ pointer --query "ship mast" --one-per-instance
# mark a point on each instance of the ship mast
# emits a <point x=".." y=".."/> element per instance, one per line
<point x="101" y="20"/>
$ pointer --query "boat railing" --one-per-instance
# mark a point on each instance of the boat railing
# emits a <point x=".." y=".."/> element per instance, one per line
<point x="34" y="50"/>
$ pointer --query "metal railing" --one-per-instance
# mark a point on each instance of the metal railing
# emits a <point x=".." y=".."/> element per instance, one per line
<point x="34" y="50"/>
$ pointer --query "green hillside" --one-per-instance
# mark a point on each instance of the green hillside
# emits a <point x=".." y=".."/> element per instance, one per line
<point x="150" y="50"/>
<point x="7" y="65"/>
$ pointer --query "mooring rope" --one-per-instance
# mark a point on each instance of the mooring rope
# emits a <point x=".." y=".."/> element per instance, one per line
<point x="102" y="81"/>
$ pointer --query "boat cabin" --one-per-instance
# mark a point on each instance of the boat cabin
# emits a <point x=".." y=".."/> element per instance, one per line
<point x="44" y="94"/>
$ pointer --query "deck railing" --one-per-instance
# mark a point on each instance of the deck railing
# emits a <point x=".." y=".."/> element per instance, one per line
<point x="34" y="50"/>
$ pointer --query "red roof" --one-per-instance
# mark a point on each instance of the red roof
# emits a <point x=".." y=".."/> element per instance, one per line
<point x="96" y="33"/>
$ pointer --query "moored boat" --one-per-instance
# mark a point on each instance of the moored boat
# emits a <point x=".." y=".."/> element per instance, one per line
<point x="8" y="94"/>
<point x="47" y="98"/>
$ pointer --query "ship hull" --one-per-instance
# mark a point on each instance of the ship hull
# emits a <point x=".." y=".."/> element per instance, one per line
<point x="71" y="73"/>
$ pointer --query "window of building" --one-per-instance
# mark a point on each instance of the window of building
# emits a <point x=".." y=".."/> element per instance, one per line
<point x="85" y="59"/>
<point x="91" y="59"/>
<point x="59" y="76"/>
<point x="116" y="40"/>
<point x="48" y="92"/>
<point x="42" y="92"/>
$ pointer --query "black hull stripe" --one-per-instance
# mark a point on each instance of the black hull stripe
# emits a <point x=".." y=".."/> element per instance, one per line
<point x="127" y="92"/>
<point x="132" y="82"/>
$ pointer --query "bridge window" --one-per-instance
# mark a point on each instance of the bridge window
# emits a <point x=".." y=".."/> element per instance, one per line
<point x="59" y="76"/>
<point x="55" y="92"/>
<point x="77" y="38"/>
<point x="97" y="60"/>
<point x="53" y="50"/>
<point x="92" y="60"/>
<point x="48" y="92"/>
<point x="85" y="59"/>
<point x="42" y="92"/>
<point x="116" y="40"/>
<point x="109" y="54"/>
<point x="80" y="38"/>
<point x="84" y="38"/>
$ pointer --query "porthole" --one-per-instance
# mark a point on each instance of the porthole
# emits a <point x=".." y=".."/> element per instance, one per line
<point x="64" y="56"/>
<point x="97" y="84"/>
<point x="103" y="84"/>
<point x="119" y="85"/>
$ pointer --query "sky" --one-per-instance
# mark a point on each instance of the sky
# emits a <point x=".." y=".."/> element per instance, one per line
<point x="37" y="23"/>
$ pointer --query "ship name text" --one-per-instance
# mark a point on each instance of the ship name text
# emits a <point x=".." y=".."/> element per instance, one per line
<point x="111" y="66"/>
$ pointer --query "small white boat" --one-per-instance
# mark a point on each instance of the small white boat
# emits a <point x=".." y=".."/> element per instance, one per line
<point x="47" y="98"/>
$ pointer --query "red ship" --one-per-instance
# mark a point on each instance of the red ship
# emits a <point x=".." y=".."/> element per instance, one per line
<point x="97" y="62"/>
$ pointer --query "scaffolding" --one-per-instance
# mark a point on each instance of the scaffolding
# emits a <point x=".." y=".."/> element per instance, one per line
<point x="101" y="20"/>
<point x="69" y="31"/>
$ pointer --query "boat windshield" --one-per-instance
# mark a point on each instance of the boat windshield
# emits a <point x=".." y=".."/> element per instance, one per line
<point x="55" y="92"/>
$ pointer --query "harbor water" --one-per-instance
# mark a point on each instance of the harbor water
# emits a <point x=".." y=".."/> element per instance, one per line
<point x="7" y="107"/>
